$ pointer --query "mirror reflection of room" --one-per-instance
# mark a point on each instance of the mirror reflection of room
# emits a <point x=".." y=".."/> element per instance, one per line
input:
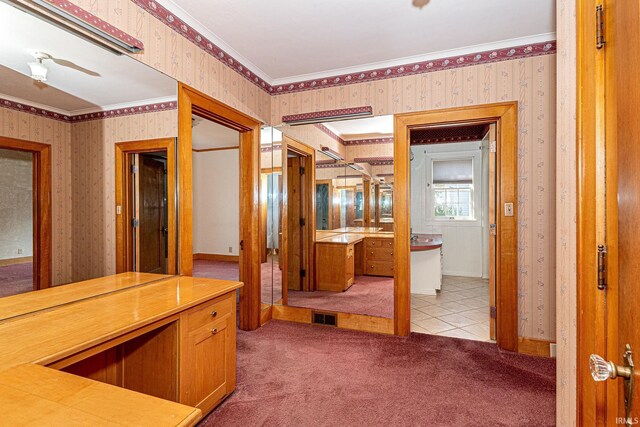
<point x="66" y="103"/>
<point x="216" y="200"/>
<point x="16" y="227"/>
<point x="353" y="202"/>
<point x="451" y="257"/>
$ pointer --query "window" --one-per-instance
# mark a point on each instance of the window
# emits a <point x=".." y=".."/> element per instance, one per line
<point x="453" y="188"/>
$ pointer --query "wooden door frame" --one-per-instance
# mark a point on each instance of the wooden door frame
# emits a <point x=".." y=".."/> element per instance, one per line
<point x="505" y="116"/>
<point x="290" y="144"/>
<point x="124" y="240"/>
<point x="192" y="101"/>
<point x="597" y="215"/>
<point x="42" y="222"/>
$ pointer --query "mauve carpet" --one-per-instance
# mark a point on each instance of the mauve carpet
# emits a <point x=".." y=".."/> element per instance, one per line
<point x="302" y="375"/>
<point x="368" y="295"/>
<point x="16" y="279"/>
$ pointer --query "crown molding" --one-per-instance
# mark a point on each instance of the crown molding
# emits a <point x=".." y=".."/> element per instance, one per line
<point x="365" y="68"/>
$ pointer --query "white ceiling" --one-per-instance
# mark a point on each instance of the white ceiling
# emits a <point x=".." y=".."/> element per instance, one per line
<point x="82" y="77"/>
<point x="208" y="134"/>
<point x="372" y="127"/>
<point x="291" y="40"/>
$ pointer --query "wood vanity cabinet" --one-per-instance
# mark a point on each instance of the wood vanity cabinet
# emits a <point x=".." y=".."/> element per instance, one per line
<point x="207" y="350"/>
<point x="378" y="257"/>
<point x="335" y="266"/>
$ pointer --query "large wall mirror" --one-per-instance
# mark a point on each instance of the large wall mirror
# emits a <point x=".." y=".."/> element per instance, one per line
<point x="328" y="237"/>
<point x="87" y="153"/>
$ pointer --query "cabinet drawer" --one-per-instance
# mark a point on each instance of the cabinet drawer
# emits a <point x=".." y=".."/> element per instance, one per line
<point x="379" y="268"/>
<point x="378" y="243"/>
<point x="379" y="254"/>
<point x="210" y="311"/>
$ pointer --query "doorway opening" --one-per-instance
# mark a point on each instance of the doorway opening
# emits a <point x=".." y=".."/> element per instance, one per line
<point x="504" y="118"/>
<point x="25" y="228"/>
<point x="192" y="102"/>
<point x="452" y="213"/>
<point x="216" y="200"/>
<point x="145" y="206"/>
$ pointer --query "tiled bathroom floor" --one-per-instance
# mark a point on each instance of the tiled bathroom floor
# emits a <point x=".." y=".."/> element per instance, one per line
<point x="460" y="310"/>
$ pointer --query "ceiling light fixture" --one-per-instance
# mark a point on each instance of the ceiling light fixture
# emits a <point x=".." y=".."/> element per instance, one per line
<point x="38" y="69"/>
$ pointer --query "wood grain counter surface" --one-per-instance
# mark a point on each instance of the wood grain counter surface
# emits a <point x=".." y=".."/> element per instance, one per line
<point x="31" y="302"/>
<point x="47" y="336"/>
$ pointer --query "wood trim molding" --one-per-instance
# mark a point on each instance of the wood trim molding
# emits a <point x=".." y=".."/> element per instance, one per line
<point x="42" y="215"/>
<point x="124" y="240"/>
<point x="534" y="347"/>
<point x="14" y="261"/>
<point x="216" y="257"/>
<point x="192" y="101"/>
<point x="505" y="115"/>
<point x="205" y="150"/>
<point x="355" y="322"/>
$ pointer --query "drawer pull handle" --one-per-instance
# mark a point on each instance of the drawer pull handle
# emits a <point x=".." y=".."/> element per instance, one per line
<point x="214" y="331"/>
<point x="214" y="313"/>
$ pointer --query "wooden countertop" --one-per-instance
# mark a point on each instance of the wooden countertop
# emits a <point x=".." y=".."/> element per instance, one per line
<point x="19" y="305"/>
<point x="426" y="242"/>
<point x="34" y="395"/>
<point x="51" y="335"/>
<point x="342" y="239"/>
<point x="37" y="395"/>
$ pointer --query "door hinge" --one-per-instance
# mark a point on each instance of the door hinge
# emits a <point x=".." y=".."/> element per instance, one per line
<point x="492" y="147"/>
<point x="600" y="40"/>
<point x="303" y="273"/>
<point x="302" y="222"/>
<point x="602" y="267"/>
<point x="301" y="170"/>
<point x="134" y="169"/>
<point x="492" y="230"/>
<point x="135" y="223"/>
<point x="493" y="312"/>
<point x="242" y="245"/>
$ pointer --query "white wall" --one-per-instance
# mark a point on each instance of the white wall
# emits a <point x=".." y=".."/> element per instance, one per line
<point x="463" y="248"/>
<point x="16" y="204"/>
<point x="216" y="200"/>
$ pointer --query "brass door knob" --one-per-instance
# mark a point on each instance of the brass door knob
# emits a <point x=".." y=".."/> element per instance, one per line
<point x="601" y="370"/>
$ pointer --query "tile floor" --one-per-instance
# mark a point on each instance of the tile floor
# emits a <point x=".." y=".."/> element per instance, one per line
<point x="460" y="310"/>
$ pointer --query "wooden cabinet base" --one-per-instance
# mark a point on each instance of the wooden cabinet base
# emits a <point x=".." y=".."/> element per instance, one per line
<point x="335" y="266"/>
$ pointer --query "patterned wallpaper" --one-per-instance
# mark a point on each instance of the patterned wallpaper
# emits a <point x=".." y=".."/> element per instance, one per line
<point x="93" y="184"/>
<point x="531" y="82"/>
<point x="20" y="125"/>
<point x="566" y="167"/>
<point x="174" y="55"/>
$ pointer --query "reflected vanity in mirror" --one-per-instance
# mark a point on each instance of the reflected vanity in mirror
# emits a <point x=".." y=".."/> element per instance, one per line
<point x="89" y="135"/>
<point x="348" y="264"/>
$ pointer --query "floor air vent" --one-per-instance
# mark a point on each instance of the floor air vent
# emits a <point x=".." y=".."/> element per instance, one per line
<point x="329" y="319"/>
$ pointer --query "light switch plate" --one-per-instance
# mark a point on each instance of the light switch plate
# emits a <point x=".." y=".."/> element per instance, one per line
<point x="508" y="209"/>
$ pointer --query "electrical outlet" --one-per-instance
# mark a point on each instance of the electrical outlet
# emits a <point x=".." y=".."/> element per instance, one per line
<point x="552" y="349"/>
<point x="230" y="249"/>
<point x="19" y="251"/>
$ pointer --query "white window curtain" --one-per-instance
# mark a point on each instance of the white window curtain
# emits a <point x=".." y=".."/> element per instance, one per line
<point x="459" y="171"/>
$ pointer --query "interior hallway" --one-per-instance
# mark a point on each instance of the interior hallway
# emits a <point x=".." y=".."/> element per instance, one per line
<point x="374" y="380"/>
<point x="460" y="310"/>
<point x="16" y="279"/>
